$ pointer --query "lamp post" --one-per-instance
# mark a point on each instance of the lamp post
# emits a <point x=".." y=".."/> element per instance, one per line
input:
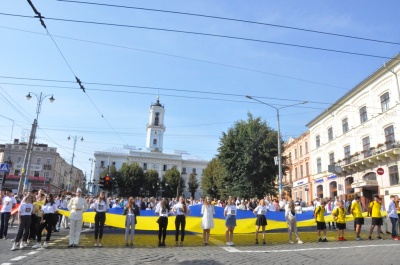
<point x="279" y="137"/>
<point x="90" y="177"/>
<point x="75" y="139"/>
<point x="23" y="181"/>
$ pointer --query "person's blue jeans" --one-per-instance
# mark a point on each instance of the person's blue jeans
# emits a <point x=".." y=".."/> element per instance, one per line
<point x="394" y="226"/>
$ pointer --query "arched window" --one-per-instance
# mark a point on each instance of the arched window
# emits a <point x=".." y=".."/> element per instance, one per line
<point x="333" y="188"/>
<point x="154" y="141"/>
<point x="320" y="191"/>
<point x="349" y="189"/>
<point x="370" y="176"/>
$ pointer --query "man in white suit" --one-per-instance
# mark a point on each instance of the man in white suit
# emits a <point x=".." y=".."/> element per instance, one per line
<point x="76" y="206"/>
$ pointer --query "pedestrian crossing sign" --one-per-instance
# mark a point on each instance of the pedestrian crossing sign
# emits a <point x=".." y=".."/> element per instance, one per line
<point x="4" y="167"/>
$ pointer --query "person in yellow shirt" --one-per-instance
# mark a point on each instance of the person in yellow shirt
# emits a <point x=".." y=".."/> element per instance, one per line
<point x="374" y="211"/>
<point x="356" y="211"/>
<point x="339" y="214"/>
<point x="319" y="218"/>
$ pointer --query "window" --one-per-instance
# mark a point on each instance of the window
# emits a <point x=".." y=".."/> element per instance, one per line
<point x="194" y="171"/>
<point x="184" y="170"/>
<point x="295" y="153"/>
<point x="347" y="153"/>
<point x="330" y="134"/>
<point x="389" y="135"/>
<point x="17" y="172"/>
<point x="307" y="170"/>
<point x="165" y="167"/>
<point x="48" y="161"/>
<point x="295" y="173"/>
<point x="38" y="161"/>
<point x="332" y="158"/>
<point x="19" y="159"/>
<point x="47" y="175"/>
<point x="154" y="141"/>
<point x="385" y="101"/>
<point x="345" y="125"/>
<point x="113" y="164"/>
<point x="290" y="176"/>
<point x="301" y="150"/>
<point x="144" y="166"/>
<point x="363" y="115"/>
<point x="366" y="145"/>
<point x="394" y="175"/>
<point x="157" y="119"/>
<point x="36" y="174"/>
<point x="102" y="164"/>
<point x="301" y="171"/>
<point x="306" y="147"/>
<point x="317" y="141"/>
<point x="319" y="165"/>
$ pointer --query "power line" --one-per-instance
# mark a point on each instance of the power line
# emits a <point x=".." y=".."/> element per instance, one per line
<point x="235" y="20"/>
<point x="185" y="58"/>
<point x="211" y="35"/>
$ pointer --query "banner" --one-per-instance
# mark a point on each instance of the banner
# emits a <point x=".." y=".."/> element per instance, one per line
<point x="245" y="220"/>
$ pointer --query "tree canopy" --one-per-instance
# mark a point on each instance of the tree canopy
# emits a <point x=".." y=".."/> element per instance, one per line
<point x="193" y="183"/>
<point x="247" y="154"/>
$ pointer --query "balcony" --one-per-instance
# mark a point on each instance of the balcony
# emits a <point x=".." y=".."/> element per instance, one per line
<point x="371" y="158"/>
<point x="46" y="167"/>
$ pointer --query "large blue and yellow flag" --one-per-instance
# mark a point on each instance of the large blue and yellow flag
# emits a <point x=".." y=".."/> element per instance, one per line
<point x="245" y="220"/>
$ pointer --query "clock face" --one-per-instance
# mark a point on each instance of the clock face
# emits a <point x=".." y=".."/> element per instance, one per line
<point x="155" y="166"/>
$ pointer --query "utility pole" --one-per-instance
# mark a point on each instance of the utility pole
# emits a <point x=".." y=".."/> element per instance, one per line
<point x="72" y="161"/>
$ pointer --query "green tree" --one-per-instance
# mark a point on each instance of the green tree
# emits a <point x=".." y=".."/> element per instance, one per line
<point x="151" y="180"/>
<point x="130" y="180"/>
<point x="213" y="178"/>
<point x="247" y="153"/>
<point x="193" y="184"/>
<point x="175" y="182"/>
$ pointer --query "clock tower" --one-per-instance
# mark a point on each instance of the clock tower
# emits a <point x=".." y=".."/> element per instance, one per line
<point x="155" y="127"/>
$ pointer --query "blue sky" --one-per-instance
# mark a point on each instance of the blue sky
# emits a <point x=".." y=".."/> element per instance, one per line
<point x="195" y="67"/>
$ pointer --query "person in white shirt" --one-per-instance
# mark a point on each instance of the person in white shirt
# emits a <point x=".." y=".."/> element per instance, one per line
<point x="162" y="210"/>
<point x="100" y="206"/>
<point x="76" y="206"/>
<point x="260" y="212"/>
<point x="207" y="221"/>
<point x="230" y="221"/>
<point x="180" y="209"/>
<point x="24" y="212"/>
<point x="8" y="203"/>
<point x="131" y="210"/>
<point x="290" y="216"/>
<point x="47" y="220"/>
<point x="392" y="214"/>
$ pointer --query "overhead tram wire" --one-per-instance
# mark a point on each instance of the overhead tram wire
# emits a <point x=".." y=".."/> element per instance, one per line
<point x="176" y="90"/>
<point x="38" y="15"/>
<point x="212" y="35"/>
<point x="234" y="20"/>
<point x="182" y="57"/>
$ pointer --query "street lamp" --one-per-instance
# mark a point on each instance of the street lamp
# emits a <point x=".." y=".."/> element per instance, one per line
<point x="90" y="177"/>
<point x="23" y="181"/>
<point x="279" y="136"/>
<point x="75" y="139"/>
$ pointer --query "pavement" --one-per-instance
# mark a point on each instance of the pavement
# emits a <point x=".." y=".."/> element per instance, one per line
<point x="145" y="251"/>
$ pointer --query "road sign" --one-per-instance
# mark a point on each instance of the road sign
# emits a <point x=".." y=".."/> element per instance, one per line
<point x="4" y="167"/>
<point x="380" y="171"/>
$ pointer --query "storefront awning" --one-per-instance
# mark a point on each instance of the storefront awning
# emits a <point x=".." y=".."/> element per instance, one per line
<point x="364" y="183"/>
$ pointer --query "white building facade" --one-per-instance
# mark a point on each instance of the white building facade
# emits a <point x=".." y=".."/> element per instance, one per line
<point x="153" y="157"/>
<point x="359" y="136"/>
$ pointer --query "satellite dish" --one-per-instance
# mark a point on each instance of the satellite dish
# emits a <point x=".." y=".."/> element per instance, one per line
<point x="338" y="169"/>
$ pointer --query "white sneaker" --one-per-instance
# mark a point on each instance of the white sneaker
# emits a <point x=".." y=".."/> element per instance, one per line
<point x="299" y="242"/>
<point x="231" y="244"/>
<point x="21" y="245"/>
<point x="290" y="242"/>
<point x="99" y="245"/>
<point x="45" y="245"/>
<point x="14" y="247"/>
<point x="37" y="245"/>
<point x="228" y="243"/>
<point x="95" y="244"/>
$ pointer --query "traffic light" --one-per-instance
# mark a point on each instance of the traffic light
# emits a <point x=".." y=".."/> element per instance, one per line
<point x="107" y="183"/>
<point x="101" y="183"/>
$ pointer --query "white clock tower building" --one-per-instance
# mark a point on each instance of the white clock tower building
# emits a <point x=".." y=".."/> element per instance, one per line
<point x="155" y="128"/>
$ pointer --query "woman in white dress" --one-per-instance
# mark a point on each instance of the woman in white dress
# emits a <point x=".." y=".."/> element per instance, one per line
<point x="207" y="221"/>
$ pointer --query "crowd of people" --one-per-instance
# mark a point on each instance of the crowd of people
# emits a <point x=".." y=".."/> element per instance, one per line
<point x="38" y="214"/>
